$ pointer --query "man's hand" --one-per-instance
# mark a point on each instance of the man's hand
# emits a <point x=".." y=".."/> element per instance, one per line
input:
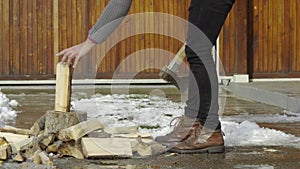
<point x="76" y="52"/>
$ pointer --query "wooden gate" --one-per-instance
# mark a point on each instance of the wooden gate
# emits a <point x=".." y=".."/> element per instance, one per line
<point x="32" y="31"/>
<point x="262" y="38"/>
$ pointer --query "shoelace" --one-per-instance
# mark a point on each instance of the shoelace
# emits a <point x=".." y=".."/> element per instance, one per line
<point x="178" y="122"/>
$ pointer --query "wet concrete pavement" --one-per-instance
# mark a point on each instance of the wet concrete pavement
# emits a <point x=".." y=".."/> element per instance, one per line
<point x="34" y="102"/>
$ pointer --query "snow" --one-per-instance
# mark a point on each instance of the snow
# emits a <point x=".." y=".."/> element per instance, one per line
<point x="132" y="110"/>
<point x="250" y="134"/>
<point x="137" y="110"/>
<point x="6" y="109"/>
<point x="154" y="113"/>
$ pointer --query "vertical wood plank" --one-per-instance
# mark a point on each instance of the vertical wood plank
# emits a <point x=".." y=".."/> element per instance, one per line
<point x="241" y="16"/>
<point x="280" y="36"/>
<point x="298" y="36"/>
<point x="23" y="37"/>
<point x="35" y="38"/>
<point x="286" y="48"/>
<point x="1" y="39"/>
<point x="30" y="38"/>
<point x="15" y="35"/>
<point x="55" y="32"/>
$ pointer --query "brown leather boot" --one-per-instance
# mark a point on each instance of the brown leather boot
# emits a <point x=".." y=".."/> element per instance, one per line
<point x="201" y="141"/>
<point x="181" y="131"/>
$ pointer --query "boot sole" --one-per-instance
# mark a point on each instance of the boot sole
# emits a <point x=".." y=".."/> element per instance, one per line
<point x="212" y="150"/>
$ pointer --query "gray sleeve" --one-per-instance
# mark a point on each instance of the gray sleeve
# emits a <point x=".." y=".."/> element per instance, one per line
<point x="110" y="19"/>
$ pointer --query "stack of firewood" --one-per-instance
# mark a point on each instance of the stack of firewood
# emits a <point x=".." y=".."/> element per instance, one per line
<point x="62" y="133"/>
<point x="43" y="142"/>
<point x="37" y="143"/>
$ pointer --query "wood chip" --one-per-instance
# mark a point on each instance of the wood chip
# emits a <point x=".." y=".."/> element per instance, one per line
<point x="68" y="149"/>
<point x="121" y="130"/>
<point x="19" y="157"/>
<point x="133" y="135"/>
<point x="46" y="159"/>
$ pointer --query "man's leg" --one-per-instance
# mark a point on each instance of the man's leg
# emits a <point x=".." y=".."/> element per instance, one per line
<point x="203" y="83"/>
<point x="206" y="18"/>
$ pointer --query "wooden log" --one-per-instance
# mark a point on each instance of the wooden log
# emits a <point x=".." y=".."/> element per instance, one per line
<point x="4" y="149"/>
<point x="10" y="129"/>
<point x="106" y="147"/>
<point x="73" y="150"/>
<point x="79" y="130"/>
<point x="63" y="87"/>
<point x="56" y="121"/>
<point x="53" y="148"/>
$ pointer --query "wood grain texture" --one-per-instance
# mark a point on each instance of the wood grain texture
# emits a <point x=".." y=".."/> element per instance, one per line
<point x="259" y="37"/>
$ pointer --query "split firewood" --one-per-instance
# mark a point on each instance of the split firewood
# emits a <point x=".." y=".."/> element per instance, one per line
<point x="69" y="149"/>
<point x="133" y="135"/>
<point x="10" y="129"/>
<point x="38" y="125"/>
<point x="121" y="130"/>
<point x="79" y="130"/>
<point x="19" y="157"/>
<point x="36" y="159"/>
<point x="143" y="149"/>
<point x="4" y="149"/>
<point x="53" y="148"/>
<point x="21" y="146"/>
<point x="156" y="148"/>
<point x="47" y="141"/>
<point x="56" y="121"/>
<point x="33" y="148"/>
<point x="63" y="87"/>
<point x="106" y="147"/>
<point x="45" y="159"/>
<point x="12" y="138"/>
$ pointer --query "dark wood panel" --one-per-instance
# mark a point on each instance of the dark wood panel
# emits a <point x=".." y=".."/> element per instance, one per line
<point x="260" y="37"/>
<point x="274" y="38"/>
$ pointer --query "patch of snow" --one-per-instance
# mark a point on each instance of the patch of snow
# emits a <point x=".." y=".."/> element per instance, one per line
<point x="266" y="118"/>
<point x="152" y="112"/>
<point x="6" y="109"/>
<point x="157" y="113"/>
<point x="250" y="134"/>
<point x="254" y="166"/>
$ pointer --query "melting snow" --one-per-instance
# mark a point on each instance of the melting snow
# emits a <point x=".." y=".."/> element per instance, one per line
<point x="6" y="109"/>
<point x="144" y="110"/>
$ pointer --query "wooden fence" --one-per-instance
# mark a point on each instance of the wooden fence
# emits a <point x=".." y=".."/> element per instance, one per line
<point x="32" y="31"/>
<point x="260" y="37"/>
<point x="264" y="40"/>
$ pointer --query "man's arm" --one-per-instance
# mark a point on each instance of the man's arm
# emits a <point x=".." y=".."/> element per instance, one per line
<point x="110" y="19"/>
